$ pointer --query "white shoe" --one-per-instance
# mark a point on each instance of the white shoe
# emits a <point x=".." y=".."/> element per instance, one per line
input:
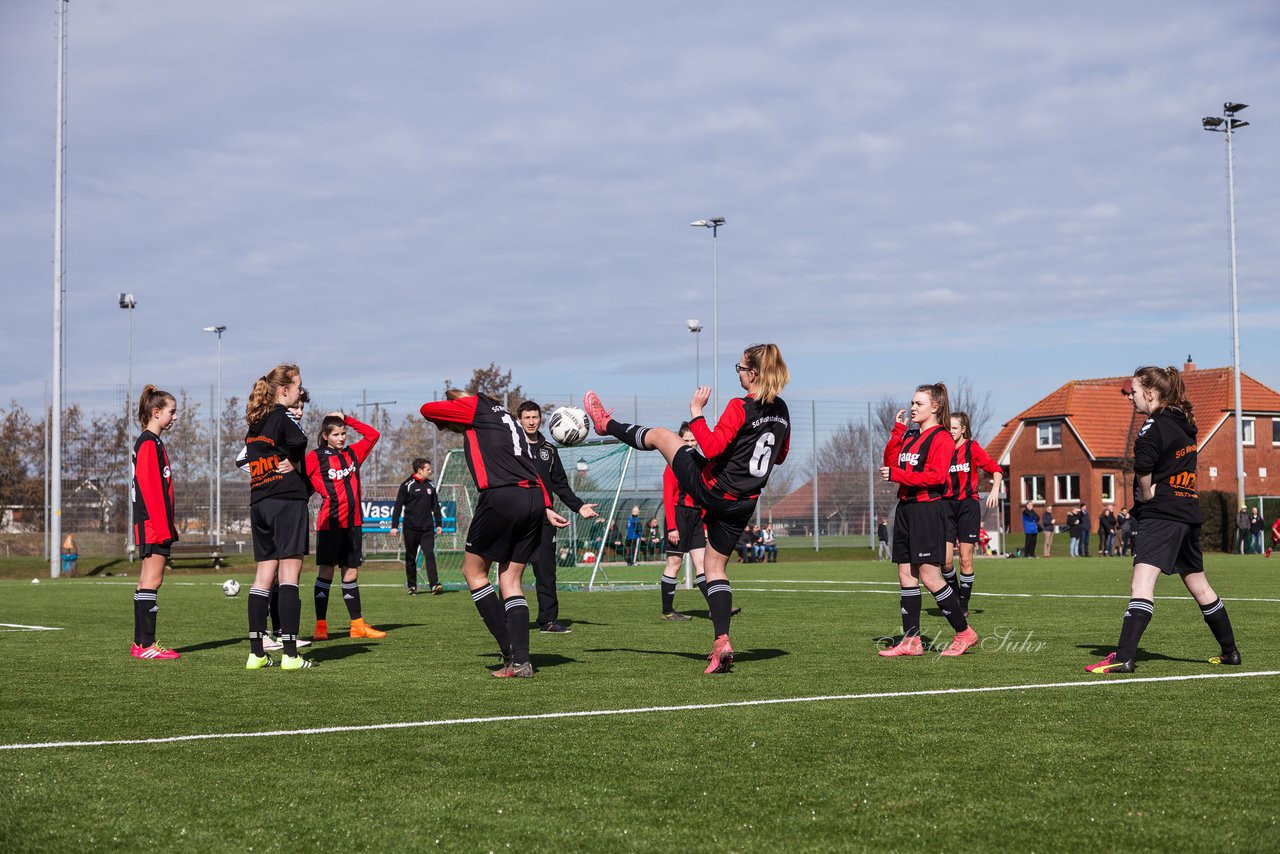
<point x="302" y="643"/>
<point x="270" y="643"/>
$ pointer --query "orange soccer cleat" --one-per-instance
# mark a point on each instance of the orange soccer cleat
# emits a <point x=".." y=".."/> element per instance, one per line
<point x="322" y="630"/>
<point x="361" y="629"/>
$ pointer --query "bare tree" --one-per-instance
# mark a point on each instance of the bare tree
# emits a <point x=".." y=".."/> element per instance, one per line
<point x="964" y="398"/>
<point x="883" y="413"/>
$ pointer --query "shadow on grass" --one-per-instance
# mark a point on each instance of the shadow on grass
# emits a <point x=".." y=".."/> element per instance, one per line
<point x="213" y="644"/>
<point x="738" y="654"/>
<point x="539" y="660"/>
<point x="97" y="570"/>
<point x="1101" y="651"/>
<point x="337" y="653"/>
<point x="389" y="627"/>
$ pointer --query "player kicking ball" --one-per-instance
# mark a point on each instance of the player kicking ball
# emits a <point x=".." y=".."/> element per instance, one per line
<point x="1166" y="508"/>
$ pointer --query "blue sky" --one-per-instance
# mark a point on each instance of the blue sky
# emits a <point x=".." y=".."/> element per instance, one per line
<point x="391" y="194"/>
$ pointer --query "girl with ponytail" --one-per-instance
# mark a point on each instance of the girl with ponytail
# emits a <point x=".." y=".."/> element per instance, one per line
<point x="1167" y="516"/>
<point x="154" y="531"/>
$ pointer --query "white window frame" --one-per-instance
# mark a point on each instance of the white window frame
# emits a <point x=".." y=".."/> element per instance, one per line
<point x="1058" y="497"/>
<point x="1033" y="498"/>
<point x="1248" y="430"/>
<point x="1044" y="442"/>
<point x="1108" y="494"/>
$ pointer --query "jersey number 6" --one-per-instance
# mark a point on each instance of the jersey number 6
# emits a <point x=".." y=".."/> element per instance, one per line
<point x="759" y="465"/>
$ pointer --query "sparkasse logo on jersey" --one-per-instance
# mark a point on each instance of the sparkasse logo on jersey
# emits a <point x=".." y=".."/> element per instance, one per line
<point x="908" y="459"/>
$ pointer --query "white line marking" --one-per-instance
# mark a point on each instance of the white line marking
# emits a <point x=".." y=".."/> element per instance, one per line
<point x="596" y="713"/>
<point x="894" y="592"/>
<point x="18" y="627"/>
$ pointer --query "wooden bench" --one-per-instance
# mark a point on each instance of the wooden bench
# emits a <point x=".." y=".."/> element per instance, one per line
<point x="203" y="552"/>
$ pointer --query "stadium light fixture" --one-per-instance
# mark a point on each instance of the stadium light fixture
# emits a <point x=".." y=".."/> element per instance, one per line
<point x="129" y="303"/>
<point x="714" y="224"/>
<point x="216" y="538"/>
<point x="1227" y="125"/>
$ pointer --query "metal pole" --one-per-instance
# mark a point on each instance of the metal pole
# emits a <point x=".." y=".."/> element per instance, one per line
<point x="697" y="358"/>
<point x="217" y="465"/>
<point x="1235" y="320"/>
<point x="813" y="427"/>
<point x="59" y="221"/>
<point x="47" y="550"/>
<point x="871" y="482"/>
<point x="128" y="397"/>
<point x="212" y="449"/>
<point x="715" y="318"/>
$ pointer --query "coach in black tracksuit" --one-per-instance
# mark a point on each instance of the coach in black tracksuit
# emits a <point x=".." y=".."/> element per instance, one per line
<point x="547" y="460"/>
<point x="420" y="502"/>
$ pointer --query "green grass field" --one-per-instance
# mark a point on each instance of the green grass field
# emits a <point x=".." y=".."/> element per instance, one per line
<point x="1066" y="762"/>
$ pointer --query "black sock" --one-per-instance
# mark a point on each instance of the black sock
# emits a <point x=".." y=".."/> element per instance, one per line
<point x="145" y="607"/>
<point x="517" y="608"/>
<point x="949" y="602"/>
<point x="290" y="617"/>
<point x="966" y="590"/>
<point x="909" y="604"/>
<point x="1136" y="618"/>
<point x="140" y="606"/>
<point x="321" y="594"/>
<point x="274" y="607"/>
<point x="631" y="434"/>
<point x="949" y="576"/>
<point x="486" y="599"/>
<point x="351" y="595"/>
<point x="1215" y="615"/>
<point x="720" y="602"/>
<point x="668" y="594"/>
<point x="700" y="581"/>
<point x="258" y="606"/>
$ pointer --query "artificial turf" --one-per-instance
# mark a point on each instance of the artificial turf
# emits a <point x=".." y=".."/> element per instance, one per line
<point x="1185" y="765"/>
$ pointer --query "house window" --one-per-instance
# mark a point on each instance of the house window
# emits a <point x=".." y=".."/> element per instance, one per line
<point x="1033" y="488"/>
<point x="1246" y="429"/>
<point x="1066" y="487"/>
<point x="1049" y="434"/>
<point x="1275" y="432"/>
<point x="1108" y="487"/>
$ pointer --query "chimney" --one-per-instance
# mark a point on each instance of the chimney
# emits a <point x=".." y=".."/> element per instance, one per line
<point x="1189" y="366"/>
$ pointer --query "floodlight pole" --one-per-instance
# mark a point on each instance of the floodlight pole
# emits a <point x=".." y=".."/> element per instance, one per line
<point x="714" y="224"/>
<point x="217" y="432"/>
<point x="59" y="221"/>
<point x="1227" y="125"/>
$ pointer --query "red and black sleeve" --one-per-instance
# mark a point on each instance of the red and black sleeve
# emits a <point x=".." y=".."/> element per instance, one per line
<point x="460" y="411"/>
<point x="894" y="446"/>
<point x="670" y="496"/>
<point x="983" y="460"/>
<point x="368" y="438"/>
<point x="714" y="443"/>
<point x="149" y="471"/>
<point x="936" y="465"/>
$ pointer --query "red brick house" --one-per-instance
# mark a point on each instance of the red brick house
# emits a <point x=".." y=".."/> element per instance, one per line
<point x="1074" y="446"/>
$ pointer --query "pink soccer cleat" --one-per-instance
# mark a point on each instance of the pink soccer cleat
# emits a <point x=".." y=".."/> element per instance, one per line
<point x="600" y="417"/>
<point x="961" y="642"/>
<point x="721" y="656"/>
<point x="155" y="651"/>
<point x="909" y="645"/>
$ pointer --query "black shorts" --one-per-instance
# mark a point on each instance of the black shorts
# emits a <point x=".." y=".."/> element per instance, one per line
<point x="1172" y="547"/>
<point x="342" y="547"/>
<point x="507" y="525"/>
<point x="280" y="528"/>
<point x="724" y="518"/>
<point x="920" y="532"/>
<point x="146" y="550"/>
<point x="964" y="518"/>
<point x="689" y="527"/>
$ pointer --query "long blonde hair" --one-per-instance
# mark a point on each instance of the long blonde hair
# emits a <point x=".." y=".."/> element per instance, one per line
<point x="263" y="396"/>
<point x="766" y="361"/>
<point x="151" y="400"/>
<point x="938" y="395"/>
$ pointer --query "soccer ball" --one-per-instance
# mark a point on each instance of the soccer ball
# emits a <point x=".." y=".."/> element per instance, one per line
<point x="231" y="587"/>
<point x="568" y="425"/>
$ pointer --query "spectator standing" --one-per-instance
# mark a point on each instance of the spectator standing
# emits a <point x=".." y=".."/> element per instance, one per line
<point x="1086" y="528"/>
<point x="1107" y="531"/>
<point x="1073" y="531"/>
<point x="1242" y="530"/>
<point x="1030" y="527"/>
<point x="635" y="533"/>
<point x="882" y="537"/>
<point x="1256" y="527"/>
<point x="1124" y="524"/>
<point x="770" y="543"/>
<point x="1048" y="527"/>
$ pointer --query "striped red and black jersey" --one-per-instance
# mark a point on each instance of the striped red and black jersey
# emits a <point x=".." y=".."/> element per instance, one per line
<point x="152" y="492"/>
<point x="750" y="439"/>
<point x="673" y="496"/>
<point x="335" y="475"/>
<point x="967" y="463"/>
<point x="496" y="448"/>
<point x="919" y="462"/>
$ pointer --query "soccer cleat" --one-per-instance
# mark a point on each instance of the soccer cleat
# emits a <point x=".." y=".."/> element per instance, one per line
<point x="361" y="629"/>
<point x="155" y="651"/>
<point x="1231" y="658"/>
<point x="413" y="591"/>
<point x="504" y="671"/>
<point x="300" y="643"/>
<point x="675" y="617"/>
<point x="257" y="662"/>
<point x="270" y="643"/>
<point x="511" y="670"/>
<point x="735" y="612"/>
<point x="909" y="645"/>
<point x="600" y="417"/>
<point x="721" y="656"/>
<point x="437" y="589"/>
<point x="1110" y="665"/>
<point x="296" y="662"/>
<point x="554" y="629"/>
<point x="962" y="642"/>
<point x="322" y="630"/>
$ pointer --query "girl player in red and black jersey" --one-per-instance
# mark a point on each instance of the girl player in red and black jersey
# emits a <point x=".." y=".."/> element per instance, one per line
<point x="334" y="471"/>
<point x="965" y="512"/>
<point x="507" y="525"/>
<point x="749" y="440"/>
<point x="685" y="534"/>
<point x="153" y="528"/>
<point x="919" y="461"/>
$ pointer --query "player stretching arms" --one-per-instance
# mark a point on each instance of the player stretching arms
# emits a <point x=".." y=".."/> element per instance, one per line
<point x="964" y="512"/>
<point x="153" y="528"/>
<point x="277" y="511"/>
<point x="918" y="461"/>
<point x="507" y="524"/>
<point x="1166" y="507"/>
<point x="334" y="472"/>
<point x="751" y="437"/>
<point x="685" y="535"/>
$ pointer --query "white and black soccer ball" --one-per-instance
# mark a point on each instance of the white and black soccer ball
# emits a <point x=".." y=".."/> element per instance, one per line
<point x="231" y="587"/>
<point x="568" y="425"/>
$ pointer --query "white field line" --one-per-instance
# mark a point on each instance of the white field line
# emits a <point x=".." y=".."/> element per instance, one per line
<point x="18" y="627"/>
<point x="600" y="713"/>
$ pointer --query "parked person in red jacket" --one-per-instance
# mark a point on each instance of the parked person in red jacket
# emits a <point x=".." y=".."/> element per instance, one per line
<point x="153" y="527"/>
